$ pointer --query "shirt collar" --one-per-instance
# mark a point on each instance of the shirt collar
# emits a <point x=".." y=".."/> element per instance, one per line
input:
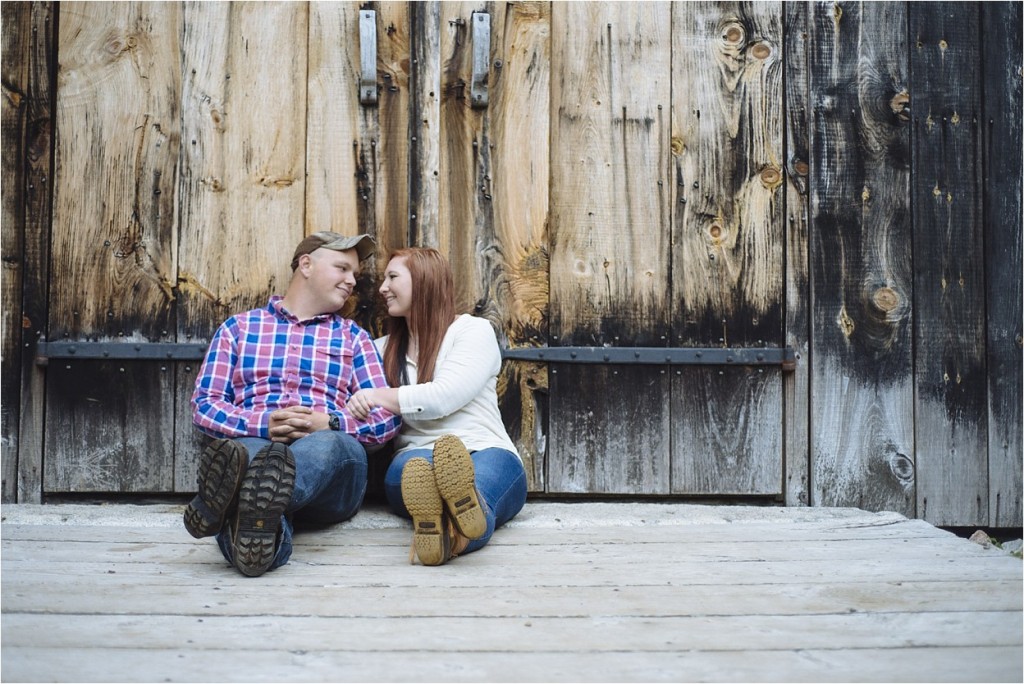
<point x="277" y="308"/>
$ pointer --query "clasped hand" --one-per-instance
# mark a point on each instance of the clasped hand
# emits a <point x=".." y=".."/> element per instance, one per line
<point x="361" y="403"/>
<point x="289" y="424"/>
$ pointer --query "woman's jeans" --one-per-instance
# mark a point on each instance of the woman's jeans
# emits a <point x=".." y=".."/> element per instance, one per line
<point x="330" y="482"/>
<point x="500" y="481"/>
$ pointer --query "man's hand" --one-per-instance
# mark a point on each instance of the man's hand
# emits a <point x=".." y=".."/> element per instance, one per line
<point x="289" y="424"/>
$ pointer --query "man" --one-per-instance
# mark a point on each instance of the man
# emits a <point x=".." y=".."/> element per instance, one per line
<point x="272" y="391"/>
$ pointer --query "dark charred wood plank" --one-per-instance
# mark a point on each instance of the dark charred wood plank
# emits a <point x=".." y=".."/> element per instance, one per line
<point x="731" y="441"/>
<point x="109" y="427"/>
<point x="861" y="378"/>
<point x="796" y="385"/>
<point x="610" y="430"/>
<point x="17" y="51"/>
<point x="1001" y="158"/>
<point x="951" y="412"/>
<point x="38" y="200"/>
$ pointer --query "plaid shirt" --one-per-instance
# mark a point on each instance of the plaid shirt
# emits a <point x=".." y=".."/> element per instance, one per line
<point x="266" y="359"/>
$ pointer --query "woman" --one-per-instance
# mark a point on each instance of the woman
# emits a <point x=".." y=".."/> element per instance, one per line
<point x="456" y="472"/>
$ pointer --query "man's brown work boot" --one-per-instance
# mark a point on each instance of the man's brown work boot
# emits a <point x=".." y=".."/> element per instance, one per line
<point x="221" y="469"/>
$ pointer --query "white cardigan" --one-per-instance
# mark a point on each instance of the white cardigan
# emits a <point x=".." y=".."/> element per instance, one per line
<point x="462" y="398"/>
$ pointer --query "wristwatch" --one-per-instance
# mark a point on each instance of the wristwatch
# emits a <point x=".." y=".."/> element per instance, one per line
<point x="333" y="422"/>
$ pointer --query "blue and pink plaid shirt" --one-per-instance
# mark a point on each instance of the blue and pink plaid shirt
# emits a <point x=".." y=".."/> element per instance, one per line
<point x="266" y="359"/>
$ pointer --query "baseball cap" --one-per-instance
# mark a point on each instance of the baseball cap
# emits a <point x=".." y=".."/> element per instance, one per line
<point x="363" y="244"/>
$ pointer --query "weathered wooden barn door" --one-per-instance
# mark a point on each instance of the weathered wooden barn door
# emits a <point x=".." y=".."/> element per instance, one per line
<point x="666" y="231"/>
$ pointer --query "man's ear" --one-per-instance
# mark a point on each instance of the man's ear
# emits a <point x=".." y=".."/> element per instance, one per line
<point x="305" y="262"/>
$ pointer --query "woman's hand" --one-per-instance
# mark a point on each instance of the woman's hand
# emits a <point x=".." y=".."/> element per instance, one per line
<point x="361" y="403"/>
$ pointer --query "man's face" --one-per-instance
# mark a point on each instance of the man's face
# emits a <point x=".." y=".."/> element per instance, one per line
<point x="331" y="276"/>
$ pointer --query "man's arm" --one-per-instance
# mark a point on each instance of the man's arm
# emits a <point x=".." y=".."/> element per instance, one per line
<point x="213" y="401"/>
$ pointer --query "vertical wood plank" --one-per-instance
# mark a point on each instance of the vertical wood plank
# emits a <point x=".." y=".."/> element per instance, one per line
<point x="728" y="247"/>
<point x="796" y="384"/>
<point x="1001" y="126"/>
<point x="113" y="271"/>
<point x="517" y="266"/>
<point x="38" y="208"/>
<point x="390" y="150"/>
<point x="341" y="138"/>
<point x="862" y="412"/>
<point x="332" y="119"/>
<point x="112" y="435"/>
<point x="242" y="190"/>
<point x="610" y="241"/>
<point x="425" y="121"/>
<point x="949" y="286"/>
<point x="243" y="168"/>
<point x="116" y="153"/>
<point x="17" y="51"/>
<point x="465" y="219"/>
<point x="493" y="203"/>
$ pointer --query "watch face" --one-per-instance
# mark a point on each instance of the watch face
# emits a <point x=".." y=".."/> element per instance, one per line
<point x="333" y="422"/>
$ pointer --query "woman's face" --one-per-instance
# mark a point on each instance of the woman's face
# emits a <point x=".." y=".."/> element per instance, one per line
<point x="397" y="288"/>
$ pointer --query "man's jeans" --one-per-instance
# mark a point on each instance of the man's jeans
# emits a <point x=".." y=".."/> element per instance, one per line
<point x="500" y="480"/>
<point x="330" y="482"/>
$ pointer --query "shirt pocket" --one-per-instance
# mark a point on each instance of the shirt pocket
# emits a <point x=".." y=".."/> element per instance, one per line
<point x="332" y="365"/>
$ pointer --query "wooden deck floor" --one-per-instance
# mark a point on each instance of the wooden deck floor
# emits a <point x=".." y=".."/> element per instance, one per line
<point x="567" y="592"/>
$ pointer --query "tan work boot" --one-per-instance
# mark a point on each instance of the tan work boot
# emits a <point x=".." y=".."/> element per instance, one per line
<point x="456" y="482"/>
<point x="435" y="539"/>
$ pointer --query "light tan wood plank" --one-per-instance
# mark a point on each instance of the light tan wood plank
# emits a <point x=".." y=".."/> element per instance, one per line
<point x="243" y="167"/>
<point x="117" y="145"/>
<point x="992" y="664"/>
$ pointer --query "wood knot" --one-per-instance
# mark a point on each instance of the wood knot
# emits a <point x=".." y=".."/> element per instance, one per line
<point x="771" y="177"/>
<point x="885" y="299"/>
<point x="801" y="168"/>
<point x="733" y="34"/>
<point x="677" y="145"/>
<point x="900" y="105"/>
<point x="715" y="231"/>
<point x="845" y="323"/>
<point x="762" y="51"/>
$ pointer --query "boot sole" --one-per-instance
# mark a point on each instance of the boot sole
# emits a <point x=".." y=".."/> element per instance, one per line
<point x="265" y="494"/>
<point x="423" y="501"/>
<point x="456" y="481"/>
<point x="221" y="469"/>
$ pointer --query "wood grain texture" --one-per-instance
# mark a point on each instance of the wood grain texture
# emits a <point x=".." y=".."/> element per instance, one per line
<point x="951" y="411"/>
<point x="565" y="592"/>
<point x="341" y="139"/>
<point x="113" y="266"/>
<point x="187" y="442"/>
<point x="388" y="157"/>
<point x="242" y="185"/>
<point x="425" y="121"/>
<point x="610" y="430"/>
<point x="517" y="266"/>
<point x="862" y="417"/>
<point x="609" y="237"/>
<point x="726" y="431"/>
<point x="38" y="196"/>
<point x="727" y="276"/>
<point x="108" y="427"/>
<point x="17" y="50"/>
<point x="728" y="242"/>
<point x="494" y="199"/>
<point x="333" y="114"/>
<point x="1001" y="177"/>
<point x="117" y="142"/>
<point x="465" y="228"/>
<point x="796" y="388"/>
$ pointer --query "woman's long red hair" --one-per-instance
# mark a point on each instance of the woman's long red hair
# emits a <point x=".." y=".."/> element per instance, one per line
<point x="432" y="311"/>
